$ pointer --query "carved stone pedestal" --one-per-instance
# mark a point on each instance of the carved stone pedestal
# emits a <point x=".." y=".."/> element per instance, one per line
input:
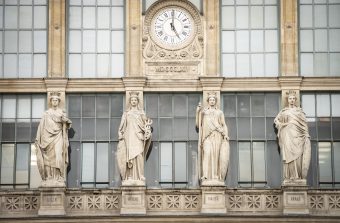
<point x="213" y="200"/>
<point x="295" y="200"/>
<point x="52" y="201"/>
<point x="133" y="200"/>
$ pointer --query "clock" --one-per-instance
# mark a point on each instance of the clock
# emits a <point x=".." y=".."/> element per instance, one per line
<point x="172" y="27"/>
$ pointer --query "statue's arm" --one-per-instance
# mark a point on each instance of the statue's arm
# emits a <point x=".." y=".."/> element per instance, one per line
<point x="121" y="128"/>
<point x="198" y="116"/>
<point x="224" y="126"/>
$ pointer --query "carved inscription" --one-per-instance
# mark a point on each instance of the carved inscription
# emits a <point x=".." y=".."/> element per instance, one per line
<point x="160" y="68"/>
<point x="51" y="200"/>
<point x="172" y="69"/>
<point x="213" y="199"/>
<point x="295" y="199"/>
<point x="133" y="199"/>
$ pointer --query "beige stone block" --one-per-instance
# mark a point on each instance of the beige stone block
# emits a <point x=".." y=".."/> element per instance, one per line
<point x="295" y="201"/>
<point x="133" y="201"/>
<point x="52" y="201"/>
<point x="213" y="200"/>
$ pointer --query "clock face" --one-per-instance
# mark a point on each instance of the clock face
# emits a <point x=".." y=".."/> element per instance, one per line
<point x="172" y="27"/>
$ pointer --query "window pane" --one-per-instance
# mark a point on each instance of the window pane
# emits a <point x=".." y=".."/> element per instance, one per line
<point x="257" y="105"/>
<point x="103" y="41"/>
<point x="74" y="17"/>
<point x="88" y="130"/>
<point x="306" y="13"/>
<point x="8" y="131"/>
<point x="87" y="163"/>
<point x="23" y="151"/>
<point x="320" y="18"/>
<point x="165" y="129"/>
<point x="256" y="16"/>
<point x="336" y="149"/>
<point x="258" y="128"/>
<point x="308" y="105"/>
<point x="228" y="65"/>
<point x="242" y="17"/>
<point x="89" y="65"/>
<point x="117" y="65"/>
<point x="102" y="106"/>
<point x="116" y="105"/>
<point x="166" y="162"/>
<point x="24" y="107"/>
<point x="325" y="162"/>
<point x="35" y="178"/>
<point x="88" y="106"/>
<point x="257" y="41"/>
<point x="74" y="41"/>
<point x="180" y="162"/>
<point x="244" y="162"/>
<point x="7" y="163"/>
<point x="103" y="66"/>
<point x="117" y="21"/>
<point x="11" y="17"/>
<point x="242" y="39"/>
<point x="228" y="14"/>
<point x="39" y="65"/>
<point x="102" y="170"/>
<point x="243" y="105"/>
<point x="259" y="161"/>
<point x="74" y="65"/>
<point x="8" y="107"/>
<point x="11" y="45"/>
<point x="272" y="105"/>
<point x="180" y="129"/>
<point x="334" y="40"/>
<point x="336" y="105"/>
<point x="89" y="17"/>
<point x="321" y="40"/>
<point x="270" y="16"/>
<point x="180" y="105"/>
<point x="102" y="129"/>
<point x="74" y="106"/>
<point x="165" y="105"/>
<point x="25" y="13"/>
<point x="243" y="65"/>
<point x="40" y="41"/>
<point x="306" y="40"/>
<point x="38" y="106"/>
<point x="25" y="41"/>
<point x="334" y="64"/>
<point x="244" y="128"/>
<point x="271" y="40"/>
<point x="103" y="15"/>
<point x="25" y="65"/>
<point x="40" y="17"/>
<point x="229" y="105"/>
<point x="89" y="41"/>
<point x="324" y="128"/>
<point x="306" y="60"/>
<point x="271" y="65"/>
<point x="228" y="42"/>
<point x="334" y="16"/>
<point x="117" y="41"/>
<point x="323" y="105"/>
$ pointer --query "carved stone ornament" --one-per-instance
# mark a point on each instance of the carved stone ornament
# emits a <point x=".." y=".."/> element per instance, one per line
<point x="294" y="142"/>
<point x="52" y="144"/>
<point x="172" y="39"/>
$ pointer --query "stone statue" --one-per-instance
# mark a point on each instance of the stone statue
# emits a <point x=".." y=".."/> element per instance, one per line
<point x="52" y="144"/>
<point x="294" y="142"/>
<point x="134" y="136"/>
<point x="213" y="148"/>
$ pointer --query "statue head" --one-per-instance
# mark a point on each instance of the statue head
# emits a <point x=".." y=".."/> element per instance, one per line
<point x="212" y="98"/>
<point x="134" y="99"/>
<point x="291" y="98"/>
<point x="55" y="99"/>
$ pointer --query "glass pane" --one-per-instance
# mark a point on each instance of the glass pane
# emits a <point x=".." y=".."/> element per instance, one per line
<point x="193" y="101"/>
<point x="336" y="128"/>
<point x="8" y="107"/>
<point x="272" y="65"/>
<point x="320" y="18"/>
<point x="306" y="13"/>
<point x="103" y="15"/>
<point x="89" y="41"/>
<point x="180" y="162"/>
<point x="320" y="64"/>
<point x="10" y="65"/>
<point x="257" y="41"/>
<point x="117" y="62"/>
<point x="40" y="41"/>
<point x="308" y="105"/>
<point x="324" y="128"/>
<point x="181" y="128"/>
<point x="24" y="107"/>
<point x="25" y="41"/>
<point x="116" y="105"/>
<point x="336" y="149"/>
<point x="259" y="161"/>
<point x="114" y="126"/>
<point x="38" y="106"/>
<point x="228" y="65"/>
<point x="8" y="131"/>
<point x="243" y="129"/>
<point x="89" y="17"/>
<point x="325" y="162"/>
<point x="103" y="41"/>
<point x="25" y="13"/>
<point x="103" y="2"/>
<point x="229" y="105"/>
<point x="166" y="162"/>
<point x="336" y="105"/>
<point x="151" y="105"/>
<point x="74" y="106"/>
<point x="258" y="128"/>
<point x="74" y="17"/>
<point x="242" y="17"/>
<point x="35" y="178"/>
<point x="87" y="169"/>
<point x="40" y="17"/>
<point x="88" y="130"/>
<point x="39" y="69"/>
<point x="228" y="14"/>
<point x="103" y="65"/>
<point x="323" y="105"/>
<point x="271" y="37"/>
<point x="165" y="128"/>
<point x="11" y="45"/>
<point x="102" y="170"/>
<point x="76" y="128"/>
<point x="270" y="16"/>
<point x="23" y="152"/>
<point x="256" y="16"/>
<point x="11" y="17"/>
<point x="306" y="60"/>
<point x="102" y="106"/>
<point x="334" y="16"/>
<point x="117" y="41"/>
<point x="74" y="41"/>
<point x="334" y="64"/>
<point x="7" y="164"/>
<point x="243" y="105"/>
<point x="102" y="129"/>
<point x="306" y="40"/>
<point x="244" y="162"/>
<point x="180" y="105"/>
<point x="23" y="130"/>
<point x="228" y="42"/>
<point x="89" y="65"/>
<point x="270" y="130"/>
<point x="74" y="65"/>
<point x="117" y="21"/>
<point x="257" y="105"/>
<point x="88" y="106"/>
<point x="243" y="65"/>
<point x="257" y="65"/>
<point x="25" y="65"/>
<point x="272" y="105"/>
<point x="321" y="40"/>
<point x="242" y="40"/>
<point x="165" y="105"/>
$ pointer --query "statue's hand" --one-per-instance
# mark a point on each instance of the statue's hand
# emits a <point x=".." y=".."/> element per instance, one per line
<point x="198" y="108"/>
<point x="120" y="136"/>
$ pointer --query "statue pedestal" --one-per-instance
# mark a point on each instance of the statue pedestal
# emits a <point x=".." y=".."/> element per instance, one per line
<point x="213" y="200"/>
<point x="52" y="201"/>
<point x="295" y="200"/>
<point x="133" y="200"/>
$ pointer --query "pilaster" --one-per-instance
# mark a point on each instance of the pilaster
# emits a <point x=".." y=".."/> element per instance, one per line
<point x="56" y="38"/>
<point x="289" y="38"/>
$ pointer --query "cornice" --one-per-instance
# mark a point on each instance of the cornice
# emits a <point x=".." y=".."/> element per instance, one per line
<point x="290" y="82"/>
<point x="320" y="84"/>
<point x="209" y="82"/>
<point x="173" y="85"/>
<point x="55" y="84"/>
<point x="95" y="85"/>
<point x="134" y="82"/>
<point x="251" y="84"/>
<point x="31" y="85"/>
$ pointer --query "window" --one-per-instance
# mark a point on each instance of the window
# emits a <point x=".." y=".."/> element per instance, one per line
<point x="23" y="39"/>
<point x="96" y="38"/>
<point x="319" y="37"/>
<point x="323" y="116"/>
<point x="95" y="121"/>
<point x="148" y="3"/>
<point x="173" y="158"/>
<point x="249" y="38"/>
<point x="254" y="157"/>
<point x="20" y="117"/>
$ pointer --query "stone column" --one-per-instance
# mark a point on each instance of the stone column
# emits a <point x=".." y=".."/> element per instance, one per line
<point x="52" y="201"/>
<point x="289" y="38"/>
<point x="295" y="200"/>
<point x="56" y="38"/>
<point x="212" y="37"/>
<point x="133" y="38"/>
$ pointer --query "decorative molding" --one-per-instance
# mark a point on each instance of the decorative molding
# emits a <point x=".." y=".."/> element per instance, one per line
<point x="22" y="85"/>
<point x="250" y="84"/>
<point x="95" y="85"/>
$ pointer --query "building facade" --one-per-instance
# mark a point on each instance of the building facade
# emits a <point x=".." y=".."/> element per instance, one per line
<point x="95" y="52"/>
